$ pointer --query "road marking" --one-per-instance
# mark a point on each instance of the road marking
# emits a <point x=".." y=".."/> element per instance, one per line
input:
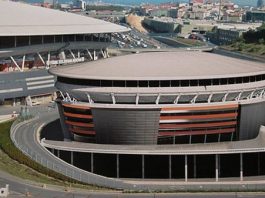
<point x="39" y="78"/>
<point x="11" y="90"/>
<point x="40" y="82"/>
<point x="41" y="86"/>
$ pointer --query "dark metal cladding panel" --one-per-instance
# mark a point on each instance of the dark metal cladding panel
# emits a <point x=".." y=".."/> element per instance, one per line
<point x="252" y="116"/>
<point x="66" y="133"/>
<point x="126" y="126"/>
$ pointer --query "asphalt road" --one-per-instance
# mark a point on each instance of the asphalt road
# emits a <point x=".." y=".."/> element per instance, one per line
<point x="26" y="138"/>
<point x="22" y="188"/>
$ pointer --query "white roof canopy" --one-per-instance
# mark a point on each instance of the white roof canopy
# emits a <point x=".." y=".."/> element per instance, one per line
<point x="163" y="66"/>
<point x="20" y="19"/>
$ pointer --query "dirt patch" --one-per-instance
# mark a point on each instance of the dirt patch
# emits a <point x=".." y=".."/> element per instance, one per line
<point x="136" y="22"/>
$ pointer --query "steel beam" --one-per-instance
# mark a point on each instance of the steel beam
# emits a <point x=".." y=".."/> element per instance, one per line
<point x="170" y="166"/>
<point x="92" y="163"/>
<point x="23" y="62"/>
<point x="41" y="58"/>
<point x="13" y="60"/>
<point x="143" y="173"/>
<point x="241" y="167"/>
<point x="186" y="168"/>
<point x="118" y="165"/>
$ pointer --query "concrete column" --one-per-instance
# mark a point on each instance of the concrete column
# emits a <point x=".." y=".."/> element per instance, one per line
<point x="118" y="165"/>
<point x="241" y="167"/>
<point x="219" y="165"/>
<point x="216" y="168"/>
<point x="48" y="60"/>
<point x="232" y="135"/>
<point x="194" y="166"/>
<point x="143" y="167"/>
<point x="170" y="166"/>
<point x="94" y="55"/>
<point x="72" y="157"/>
<point x="258" y="163"/>
<point x="23" y="62"/>
<point x="92" y="162"/>
<point x="186" y="168"/>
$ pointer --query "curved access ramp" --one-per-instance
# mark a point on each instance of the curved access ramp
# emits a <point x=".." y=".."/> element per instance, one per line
<point x="25" y="135"/>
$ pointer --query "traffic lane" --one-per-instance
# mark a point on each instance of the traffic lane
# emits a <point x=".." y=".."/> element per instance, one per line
<point x="25" y="136"/>
<point x="20" y="187"/>
<point x="176" y="195"/>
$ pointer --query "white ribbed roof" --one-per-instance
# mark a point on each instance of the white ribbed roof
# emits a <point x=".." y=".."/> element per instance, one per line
<point x="185" y="65"/>
<point x="24" y="19"/>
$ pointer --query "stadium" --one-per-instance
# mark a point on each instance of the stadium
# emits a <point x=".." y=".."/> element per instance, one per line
<point x="187" y="114"/>
<point x="32" y="39"/>
<point x="171" y="115"/>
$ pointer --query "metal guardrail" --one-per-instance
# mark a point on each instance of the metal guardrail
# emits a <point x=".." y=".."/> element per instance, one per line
<point x="90" y="178"/>
<point x="40" y="159"/>
<point x="61" y="166"/>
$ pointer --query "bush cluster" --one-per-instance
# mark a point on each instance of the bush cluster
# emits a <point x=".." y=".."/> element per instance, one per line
<point x="9" y="148"/>
<point x="255" y="36"/>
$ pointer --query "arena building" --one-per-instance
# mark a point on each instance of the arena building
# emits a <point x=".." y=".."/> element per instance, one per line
<point x="136" y="110"/>
<point x="34" y="38"/>
<point x="159" y="97"/>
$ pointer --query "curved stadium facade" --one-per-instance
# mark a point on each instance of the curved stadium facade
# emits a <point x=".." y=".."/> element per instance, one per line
<point x="163" y="115"/>
<point x="173" y="115"/>
<point x="162" y="98"/>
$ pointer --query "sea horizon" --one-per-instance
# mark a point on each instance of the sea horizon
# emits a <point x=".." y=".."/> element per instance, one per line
<point x="139" y="2"/>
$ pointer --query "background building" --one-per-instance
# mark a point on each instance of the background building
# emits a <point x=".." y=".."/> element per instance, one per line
<point x="79" y="4"/>
<point x="255" y="16"/>
<point x="223" y="34"/>
<point x="162" y="25"/>
<point x="35" y="38"/>
<point x="260" y="3"/>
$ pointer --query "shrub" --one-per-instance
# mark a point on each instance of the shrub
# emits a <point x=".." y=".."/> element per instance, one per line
<point x="13" y="152"/>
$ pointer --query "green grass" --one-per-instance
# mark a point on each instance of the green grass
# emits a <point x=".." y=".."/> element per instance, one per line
<point x="16" y="163"/>
<point x="247" y="48"/>
<point x="190" y="42"/>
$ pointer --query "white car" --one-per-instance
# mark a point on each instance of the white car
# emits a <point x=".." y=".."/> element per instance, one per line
<point x="35" y="103"/>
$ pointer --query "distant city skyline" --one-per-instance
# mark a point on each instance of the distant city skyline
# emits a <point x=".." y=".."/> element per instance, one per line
<point x="137" y="2"/>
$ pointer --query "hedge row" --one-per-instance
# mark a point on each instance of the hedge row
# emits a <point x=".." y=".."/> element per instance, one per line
<point x="12" y="151"/>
